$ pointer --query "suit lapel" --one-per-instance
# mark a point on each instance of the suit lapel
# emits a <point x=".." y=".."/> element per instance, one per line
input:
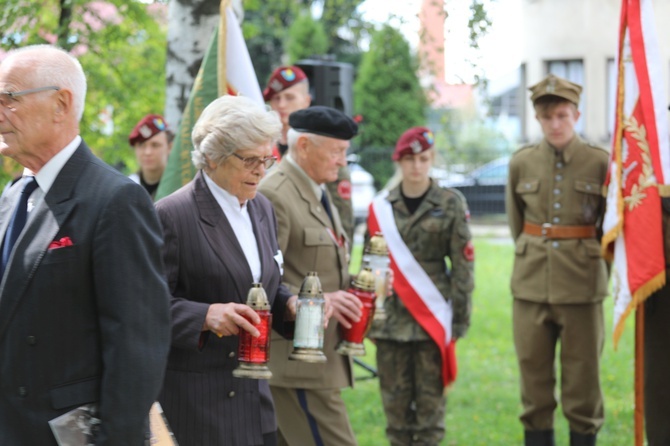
<point x="221" y="237"/>
<point x="262" y="234"/>
<point x="7" y="204"/>
<point x="42" y="226"/>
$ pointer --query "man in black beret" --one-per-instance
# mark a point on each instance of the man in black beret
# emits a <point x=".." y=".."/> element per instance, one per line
<point x="309" y="407"/>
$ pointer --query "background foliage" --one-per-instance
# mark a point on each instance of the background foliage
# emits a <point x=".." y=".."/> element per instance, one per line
<point x="124" y="56"/>
<point x="122" y="51"/>
<point x="388" y="96"/>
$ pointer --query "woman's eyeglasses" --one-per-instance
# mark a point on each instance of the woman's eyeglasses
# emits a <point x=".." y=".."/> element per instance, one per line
<point x="252" y="162"/>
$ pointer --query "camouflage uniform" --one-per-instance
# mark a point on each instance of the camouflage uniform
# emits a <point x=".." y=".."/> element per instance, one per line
<point x="340" y="191"/>
<point x="656" y="348"/>
<point x="408" y="360"/>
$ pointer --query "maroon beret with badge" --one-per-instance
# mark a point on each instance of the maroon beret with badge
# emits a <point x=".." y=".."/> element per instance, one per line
<point x="281" y="79"/>
<point x="148" y="126"/>
<point x="413" y="141"/>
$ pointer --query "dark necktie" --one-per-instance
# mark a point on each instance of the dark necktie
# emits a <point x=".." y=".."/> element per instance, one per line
<point x="17" y="222"/>
<point x="326" y="205"/>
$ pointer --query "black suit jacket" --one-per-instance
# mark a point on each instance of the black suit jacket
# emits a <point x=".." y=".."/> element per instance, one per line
<point x="88" y="322"/>
<point x="205" y="264"/>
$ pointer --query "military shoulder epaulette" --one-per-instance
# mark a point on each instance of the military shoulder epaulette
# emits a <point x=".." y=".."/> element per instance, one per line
<point x="454" y="192"/>
<point x="596" y="146"/>
<point x="524" y="148"/>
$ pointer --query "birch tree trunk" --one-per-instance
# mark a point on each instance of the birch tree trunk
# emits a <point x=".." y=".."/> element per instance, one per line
<point x="191" y="24"/>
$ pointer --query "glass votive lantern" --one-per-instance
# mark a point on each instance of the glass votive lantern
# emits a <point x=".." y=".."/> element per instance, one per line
<point x="309" y="321"/>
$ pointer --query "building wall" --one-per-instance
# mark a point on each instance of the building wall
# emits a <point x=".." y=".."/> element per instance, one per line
<point x="584" y="30"/>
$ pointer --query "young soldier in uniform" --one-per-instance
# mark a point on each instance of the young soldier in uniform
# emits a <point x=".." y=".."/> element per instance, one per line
<point x="555" y="208"/>
<point x="411" y="356"/>
<point x="288" y="91"/>
<point x="309" y="406"/>
<point x="152" y="141"/>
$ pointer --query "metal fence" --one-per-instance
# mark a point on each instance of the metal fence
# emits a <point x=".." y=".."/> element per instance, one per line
<point x="481" y="175"/>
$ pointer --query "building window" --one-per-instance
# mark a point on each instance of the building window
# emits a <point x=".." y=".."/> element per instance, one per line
<point x="572" y="70"/>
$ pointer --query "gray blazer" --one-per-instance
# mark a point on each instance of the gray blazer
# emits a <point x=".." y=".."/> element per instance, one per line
<point x="203" y="402"/>
<point x="88" y="322"/>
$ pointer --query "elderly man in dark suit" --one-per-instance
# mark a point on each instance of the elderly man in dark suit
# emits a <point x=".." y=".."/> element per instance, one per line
<point x="220" y="238"/>
<point x="83" y="303"/>
<point x="310" y="409"/>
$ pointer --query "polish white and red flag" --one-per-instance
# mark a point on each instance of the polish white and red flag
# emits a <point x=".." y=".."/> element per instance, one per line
<point x="639" y="166"/>
<point x="412" y="284"/>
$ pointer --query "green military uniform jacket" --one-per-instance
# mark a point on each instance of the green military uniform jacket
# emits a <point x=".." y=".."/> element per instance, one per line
<point x="438" y="229"/>
<point x="549" y="187"/>
<point x="307" y="246"/>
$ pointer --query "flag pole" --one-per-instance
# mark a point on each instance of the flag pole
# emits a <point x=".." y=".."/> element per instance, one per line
<point x="221" y="59"/>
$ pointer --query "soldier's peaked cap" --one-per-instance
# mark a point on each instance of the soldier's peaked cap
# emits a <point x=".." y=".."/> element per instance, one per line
<point x="553" y="85"/>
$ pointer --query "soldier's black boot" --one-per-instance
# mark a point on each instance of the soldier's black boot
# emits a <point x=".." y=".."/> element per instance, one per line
<point x="539" y="438"/>
<point x="582" y="439"/>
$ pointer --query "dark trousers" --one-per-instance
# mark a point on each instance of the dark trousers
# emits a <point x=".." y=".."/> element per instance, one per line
<point x="657" y="367"/>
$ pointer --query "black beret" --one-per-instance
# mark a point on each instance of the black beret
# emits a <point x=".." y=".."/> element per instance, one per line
<point x="325" y="121"/>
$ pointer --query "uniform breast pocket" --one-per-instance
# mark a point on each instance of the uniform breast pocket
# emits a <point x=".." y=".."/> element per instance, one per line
<point x="319" y="249"/>
<point x="435" y="222"/>
<point x="589" y="193"/>
<point x="528" y="189"/>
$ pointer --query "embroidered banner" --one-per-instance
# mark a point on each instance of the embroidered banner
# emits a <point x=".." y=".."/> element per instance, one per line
<point x="639" y="166"/>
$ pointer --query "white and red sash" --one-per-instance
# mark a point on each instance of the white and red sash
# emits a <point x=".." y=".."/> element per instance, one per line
<point x="414" y="287"/>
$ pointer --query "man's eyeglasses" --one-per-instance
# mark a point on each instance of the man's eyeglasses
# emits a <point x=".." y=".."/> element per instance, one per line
<point x="253" y="161"/>
<point x="8" y="98"/>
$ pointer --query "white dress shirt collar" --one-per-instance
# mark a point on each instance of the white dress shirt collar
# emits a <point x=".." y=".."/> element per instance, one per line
<point x="48" y="173"/>
<point x="240" y="221"/>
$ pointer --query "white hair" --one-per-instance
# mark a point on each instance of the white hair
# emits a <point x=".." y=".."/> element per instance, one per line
<point x="231" y="123"/>
<point x="292" y="138"/>
<point x="50" y="65"/>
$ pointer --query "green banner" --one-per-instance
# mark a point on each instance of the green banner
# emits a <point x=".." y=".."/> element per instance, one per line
<point x="180" y="170"/>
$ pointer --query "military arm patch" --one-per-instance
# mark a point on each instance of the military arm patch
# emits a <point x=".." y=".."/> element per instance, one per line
<point x="469" y="251"/>
<point x="344" y="189"/>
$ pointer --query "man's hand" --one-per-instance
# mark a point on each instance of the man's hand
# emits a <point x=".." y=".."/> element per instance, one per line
<point x="227" y="319"/>
<point x="346" y="307"/>
<point x="291" y="307"/>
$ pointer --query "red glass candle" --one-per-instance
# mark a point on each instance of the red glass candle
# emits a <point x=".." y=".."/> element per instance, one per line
<point x="256" y="350"/>
<point x="254" y="353"/>
<point x="352" y="338"/>
<point x="356" y="334"/>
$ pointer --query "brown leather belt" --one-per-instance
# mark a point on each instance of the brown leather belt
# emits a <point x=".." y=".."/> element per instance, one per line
<point x="550" y="231"/>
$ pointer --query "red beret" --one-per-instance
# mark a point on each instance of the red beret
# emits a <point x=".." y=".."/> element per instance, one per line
<point x="281" y="79"/>
<point x="146" y="128"/>
<point x="413" y="141"/>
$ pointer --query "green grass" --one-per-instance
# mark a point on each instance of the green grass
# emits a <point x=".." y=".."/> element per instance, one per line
<point x="483" y="405"/>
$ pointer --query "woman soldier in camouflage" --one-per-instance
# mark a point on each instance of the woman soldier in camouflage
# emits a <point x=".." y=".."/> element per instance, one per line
<point x="423" y="224"/>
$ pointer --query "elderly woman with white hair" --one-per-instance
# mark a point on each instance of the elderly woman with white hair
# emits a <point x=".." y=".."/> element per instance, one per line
<point x="220" y="237"/>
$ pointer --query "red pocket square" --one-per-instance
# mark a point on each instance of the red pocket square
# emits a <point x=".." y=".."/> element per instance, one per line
<point x="62" y="243"/>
